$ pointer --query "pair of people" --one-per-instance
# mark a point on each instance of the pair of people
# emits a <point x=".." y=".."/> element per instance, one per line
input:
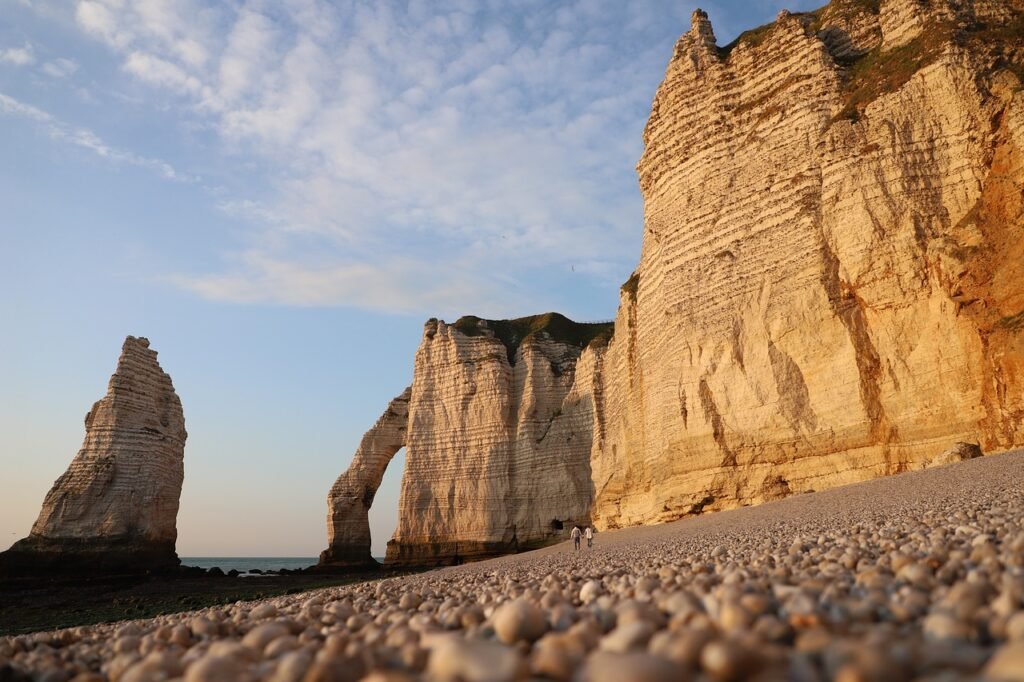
<point x="576" y="534"/>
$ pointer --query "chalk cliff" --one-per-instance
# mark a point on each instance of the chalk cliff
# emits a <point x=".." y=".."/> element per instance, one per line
<point x="830" y="283"/>
<point x="115" y="508"/>
<point x="497" y="432"/>
<point x="830" y="289"/>
<point x="348" y="503"/>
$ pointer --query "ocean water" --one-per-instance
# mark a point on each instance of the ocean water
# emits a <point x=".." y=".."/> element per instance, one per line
<point x="246" y="563"/>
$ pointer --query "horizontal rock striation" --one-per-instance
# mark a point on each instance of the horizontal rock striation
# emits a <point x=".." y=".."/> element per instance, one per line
<point x="348" y="503"/>
<point x="115" y="508"/>
<point x="830" y="285"/>
<point x="497" y="431"/>
<point x="831" y="289"/>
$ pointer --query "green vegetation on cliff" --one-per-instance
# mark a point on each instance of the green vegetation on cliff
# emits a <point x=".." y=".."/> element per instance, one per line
<point x="878" y="72"/>
<point x="560" y="328"/>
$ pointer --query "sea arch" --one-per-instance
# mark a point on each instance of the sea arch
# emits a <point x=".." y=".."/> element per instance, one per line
<point x="350" y="498"/>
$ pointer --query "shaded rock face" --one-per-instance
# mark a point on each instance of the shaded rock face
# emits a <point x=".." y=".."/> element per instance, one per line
<point x="958" y="453"/>
<point x="830" y="287"/>
<point x="115" y="508"/>
<point x="497" y="432"/>
<point x="348" y="503"/>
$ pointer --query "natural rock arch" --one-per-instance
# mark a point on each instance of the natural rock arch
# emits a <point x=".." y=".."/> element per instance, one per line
<point x="350" y="498"/>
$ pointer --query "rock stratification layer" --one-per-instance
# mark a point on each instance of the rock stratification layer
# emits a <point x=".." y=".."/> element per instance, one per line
<point x="498" y="438"/>
<point x="348" y="503"/>
<point x="830" y="285"/>
<point x="115" y="508"/>
<point x="831" y="289"/>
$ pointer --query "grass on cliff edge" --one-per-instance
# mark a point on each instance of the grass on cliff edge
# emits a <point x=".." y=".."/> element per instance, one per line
<point x="878" y="72"/>
<point x="837" y="9"/>
<point x="560" y="328"/>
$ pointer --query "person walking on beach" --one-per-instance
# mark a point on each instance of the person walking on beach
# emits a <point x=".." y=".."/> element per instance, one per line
<point x="575" y="535"/>
<point x="589" y="535"/>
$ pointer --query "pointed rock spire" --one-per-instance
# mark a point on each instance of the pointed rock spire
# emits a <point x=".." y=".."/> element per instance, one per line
<point x="115" y="508"/>
<point x="701" y="31"/>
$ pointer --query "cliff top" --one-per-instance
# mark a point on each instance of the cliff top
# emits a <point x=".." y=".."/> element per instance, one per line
<point x="512" y="333"/>
<point x="835" y="12"/>
<point x="877" y="69"/>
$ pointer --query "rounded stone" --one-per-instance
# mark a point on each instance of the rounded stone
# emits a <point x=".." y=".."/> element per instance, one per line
<point x="1007" y="664"/>
<point x="590" y="591"/>
<point x="215" y="669"/>
<point x="519" y="620"/>
<point x="605" y="666"/>
<point x="461" y="660"/>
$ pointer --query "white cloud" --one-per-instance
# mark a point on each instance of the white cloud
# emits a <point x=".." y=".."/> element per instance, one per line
<point x="86" y="139"/>
<point x="60" y="68"/>
<point x="19" y="56"/>
<point x="394" y="284"/>
<point x="100" y="20"/>
<point x="160" y="72"/>
<point x="474" y="137"/>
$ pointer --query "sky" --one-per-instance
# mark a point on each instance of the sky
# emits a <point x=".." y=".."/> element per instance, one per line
<point x="278" y="194"/>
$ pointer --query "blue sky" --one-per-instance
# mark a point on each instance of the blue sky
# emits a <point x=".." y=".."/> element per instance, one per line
<point x="278" y="194"/>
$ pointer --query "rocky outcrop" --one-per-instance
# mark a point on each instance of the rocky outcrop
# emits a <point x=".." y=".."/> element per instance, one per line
<point x="830" y="285"/>
<point x="831" y="289"/>
<point x="348" y="503"/>
<point x="115" y="508"/>
<point x="958" y="453"/>
<point x="497" y="429"/>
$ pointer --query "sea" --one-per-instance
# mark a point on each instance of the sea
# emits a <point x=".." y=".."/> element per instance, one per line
<point x="247" y="563"/>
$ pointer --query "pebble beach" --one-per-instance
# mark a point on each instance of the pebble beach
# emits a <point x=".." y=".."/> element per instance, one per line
<point x="918" y="576"/>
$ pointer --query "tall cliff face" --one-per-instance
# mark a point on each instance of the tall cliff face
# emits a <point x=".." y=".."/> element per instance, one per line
<point x="115" y="508"/>
<point x="497" y="431"/>
<point x="831" y="289"/>
<point x="830" y="284"/>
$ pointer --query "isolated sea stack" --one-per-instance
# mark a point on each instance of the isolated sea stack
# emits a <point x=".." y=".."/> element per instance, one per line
<point x="115" y="509"/>
<point x="497" y="442"/>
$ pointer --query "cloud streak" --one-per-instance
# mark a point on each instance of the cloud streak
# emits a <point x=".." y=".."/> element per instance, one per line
<point x="88" y="140"/>
<point x="18" y="56"/>
<point x="408" y="137"/>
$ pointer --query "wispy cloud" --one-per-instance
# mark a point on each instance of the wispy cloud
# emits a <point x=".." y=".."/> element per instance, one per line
<point x="395" y="284"/>
<point x="475" y="137"/>
<point x="60" y="68"/>
<point x="404" y="138"/>
<point x="19" y="56"/>
<point x="86" y="139"/>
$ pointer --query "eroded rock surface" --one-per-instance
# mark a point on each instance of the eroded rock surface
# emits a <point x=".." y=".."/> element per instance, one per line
<point x="831" y="289"/>
<point x="115" y="508"/>
<point x="497" y="429"/>
<point x="348" y="503"/>
<point x="830" y="286"/>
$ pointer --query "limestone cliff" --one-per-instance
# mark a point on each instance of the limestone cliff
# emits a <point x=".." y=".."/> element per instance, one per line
<point x="830" y="283"/>
<point x="348" y="503"/>
<point x="115" y="508"/>
<point x="830" y="289"/>
<point x="497" y="431"/>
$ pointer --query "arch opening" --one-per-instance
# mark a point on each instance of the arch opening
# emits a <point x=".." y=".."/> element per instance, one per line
<point x="383" y="512"/>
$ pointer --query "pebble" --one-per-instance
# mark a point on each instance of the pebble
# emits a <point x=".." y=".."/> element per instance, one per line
<point x="604" y="666"/>
<point x="1007" y="665"/>
<point x="519" y="620"/>
<point x="924" y="586"/>
<point x="463" y="660"/>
